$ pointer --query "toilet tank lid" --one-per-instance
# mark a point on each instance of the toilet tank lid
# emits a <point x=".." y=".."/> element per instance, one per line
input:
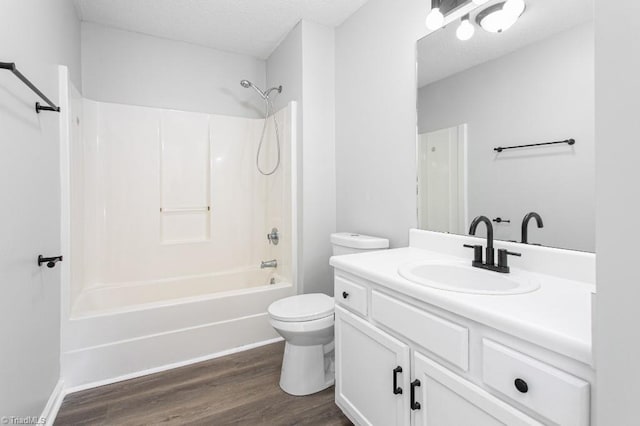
<point x="359" y="241"/>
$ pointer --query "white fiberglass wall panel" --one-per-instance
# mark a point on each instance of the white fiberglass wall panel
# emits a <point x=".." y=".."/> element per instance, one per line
<point x="278" y="188"/>
<point x="77" y="190"/>
<point x="126" y="160"/>
<point x="185" y="176"/>
<point x="144" y="165"/>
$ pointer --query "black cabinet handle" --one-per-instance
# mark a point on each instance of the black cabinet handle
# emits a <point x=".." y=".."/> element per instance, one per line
<point x="396" y="389"/>
<point x="414" y="404"/>
<point x="345" y="294"/>
<point x="521" y="385"/>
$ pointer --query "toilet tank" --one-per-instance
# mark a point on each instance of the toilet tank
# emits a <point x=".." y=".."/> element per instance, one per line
<point x="349" y="242"/>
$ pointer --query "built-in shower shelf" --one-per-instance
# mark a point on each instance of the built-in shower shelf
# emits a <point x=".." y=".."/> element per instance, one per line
<point x="184" y="209"/>
<point x="185" y="177"/>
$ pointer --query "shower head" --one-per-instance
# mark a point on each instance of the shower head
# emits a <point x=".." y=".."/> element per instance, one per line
<point x="246" y="84"/>
<point x="264" y="95"/>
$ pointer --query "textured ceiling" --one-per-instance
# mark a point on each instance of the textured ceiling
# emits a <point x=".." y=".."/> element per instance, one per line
<point x="250" y="27"/>
<point x="441" y="54"/>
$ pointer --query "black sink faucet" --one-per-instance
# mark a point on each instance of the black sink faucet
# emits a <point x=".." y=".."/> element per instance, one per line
<point x="525" y="225"/>
<point x="489" y="264"/>
<point x="472" y="231"/>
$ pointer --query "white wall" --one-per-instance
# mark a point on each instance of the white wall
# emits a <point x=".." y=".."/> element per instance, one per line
<point x="36" y="35"/>
<point x="376" y="118"/>
<point x="554" y="101"/>
<point x="303" y="64"/>
<point x="284" y="68"/>
<point x="617" y="348"/>
<point x="136" y="69"/>
<point x="318" y="155"/>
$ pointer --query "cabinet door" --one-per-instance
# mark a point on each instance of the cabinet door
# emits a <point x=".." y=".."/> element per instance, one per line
<point x="367" y="360"/>
<point x="446" y="399"/>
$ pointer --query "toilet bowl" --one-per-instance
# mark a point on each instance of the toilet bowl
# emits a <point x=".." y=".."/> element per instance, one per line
<point x="306" y="323"/>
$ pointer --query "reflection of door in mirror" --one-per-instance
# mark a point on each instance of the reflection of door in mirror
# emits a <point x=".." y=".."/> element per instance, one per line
<point x="442" y="201"/>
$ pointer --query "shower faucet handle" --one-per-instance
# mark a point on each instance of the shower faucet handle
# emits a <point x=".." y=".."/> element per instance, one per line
<point x="273" y="237"/>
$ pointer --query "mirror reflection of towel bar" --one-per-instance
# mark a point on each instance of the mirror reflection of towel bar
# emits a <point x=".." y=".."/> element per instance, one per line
<point x="501" y="220"/>
<point x="567" y="141"/>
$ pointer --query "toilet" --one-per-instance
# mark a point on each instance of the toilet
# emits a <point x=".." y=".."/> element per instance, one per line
<point x="306" y="323"/>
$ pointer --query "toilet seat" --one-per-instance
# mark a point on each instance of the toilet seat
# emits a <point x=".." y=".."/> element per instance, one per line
<point x="303" y="326"/>
<point x="303" y="307"/>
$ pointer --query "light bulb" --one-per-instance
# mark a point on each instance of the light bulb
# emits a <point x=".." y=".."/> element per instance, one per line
<point x="435" y="19"/>
<point x="465" y="30"/>
<point x="479" y="2"/>
<point x="514" y="8"/>
<point x="498" y="21"/>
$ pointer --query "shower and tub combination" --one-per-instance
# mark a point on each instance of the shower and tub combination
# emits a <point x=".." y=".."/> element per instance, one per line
<point x="179" y="230"/>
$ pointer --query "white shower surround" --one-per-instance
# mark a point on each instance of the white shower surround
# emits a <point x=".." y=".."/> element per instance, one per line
<point x="135" y="304"/>
<point x="134" y="164"/>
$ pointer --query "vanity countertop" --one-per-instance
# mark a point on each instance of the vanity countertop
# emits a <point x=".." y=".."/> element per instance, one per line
<point x="557" y="316"/>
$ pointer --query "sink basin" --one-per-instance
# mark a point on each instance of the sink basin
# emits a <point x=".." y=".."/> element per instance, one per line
<point x="463" y="278"/>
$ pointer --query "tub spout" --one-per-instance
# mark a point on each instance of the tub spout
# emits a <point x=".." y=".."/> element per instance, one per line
<point x="269" y="264"/>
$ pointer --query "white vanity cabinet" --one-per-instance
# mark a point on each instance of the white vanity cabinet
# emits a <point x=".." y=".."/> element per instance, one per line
<point x="372" y="372"/>
<point x="400" y="363"/>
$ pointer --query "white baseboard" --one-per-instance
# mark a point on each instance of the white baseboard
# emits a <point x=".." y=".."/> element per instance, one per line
<point x="53" y="404"/>
<point x="168" y="366"/>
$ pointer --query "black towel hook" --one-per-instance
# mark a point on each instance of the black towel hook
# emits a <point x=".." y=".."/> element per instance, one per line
<point x="50" y="261"/>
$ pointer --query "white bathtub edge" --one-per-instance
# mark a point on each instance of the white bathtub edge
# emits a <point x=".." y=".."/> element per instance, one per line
<point x="167" y="367"/>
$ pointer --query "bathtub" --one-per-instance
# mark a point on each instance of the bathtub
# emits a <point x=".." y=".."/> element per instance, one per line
<point x="126" y="330"/>
<point x="122" y="297"/>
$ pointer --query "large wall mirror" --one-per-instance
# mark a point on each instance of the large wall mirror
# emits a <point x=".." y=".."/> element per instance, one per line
<point x="491" y="86"/>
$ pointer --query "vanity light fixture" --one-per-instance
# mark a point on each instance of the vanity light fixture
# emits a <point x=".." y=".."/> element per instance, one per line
<point x="435" y="18"/>
<point x="500" y="16"/>
<point x="465" y="29"/>
<point x="514" y="7"/>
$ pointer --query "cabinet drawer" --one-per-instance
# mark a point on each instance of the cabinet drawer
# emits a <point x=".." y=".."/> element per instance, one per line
<point x="442" y="337"/>
<point x="351" y="295"/>
<point x="554" y="394"/>
<point x="446" y="399"/>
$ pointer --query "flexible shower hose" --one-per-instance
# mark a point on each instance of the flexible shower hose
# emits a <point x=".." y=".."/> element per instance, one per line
<point x="267" y="110"/>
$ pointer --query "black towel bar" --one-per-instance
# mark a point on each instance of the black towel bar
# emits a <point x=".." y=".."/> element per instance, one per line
<point x="10" y="66"/>
<point x="567" y="141"/>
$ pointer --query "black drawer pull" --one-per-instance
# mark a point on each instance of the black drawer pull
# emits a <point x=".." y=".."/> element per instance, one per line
<point x="396" y="389"/>
<point x="345" y="294"/>
<point x="414" y="404"/>
<point x="521" y="385"/>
